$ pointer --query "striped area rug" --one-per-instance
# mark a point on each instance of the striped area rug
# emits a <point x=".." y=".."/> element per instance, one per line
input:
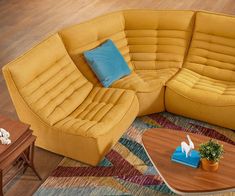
<point x="126" y="169"/>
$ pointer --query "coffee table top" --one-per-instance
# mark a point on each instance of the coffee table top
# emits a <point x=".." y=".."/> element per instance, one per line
<point x="161" y="143"/>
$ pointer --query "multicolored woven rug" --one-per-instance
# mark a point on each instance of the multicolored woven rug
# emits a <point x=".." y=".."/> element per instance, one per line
<point x="126" y="169"/>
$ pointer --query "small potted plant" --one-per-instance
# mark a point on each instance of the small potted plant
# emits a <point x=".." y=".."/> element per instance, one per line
<point x="211" y="152"/>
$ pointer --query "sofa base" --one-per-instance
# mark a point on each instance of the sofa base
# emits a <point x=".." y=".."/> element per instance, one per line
<point x="178" y="104"/>
<point x="152" y="102"/>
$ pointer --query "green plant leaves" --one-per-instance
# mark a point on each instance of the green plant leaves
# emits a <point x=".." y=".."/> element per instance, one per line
<point x="211" y="150"/>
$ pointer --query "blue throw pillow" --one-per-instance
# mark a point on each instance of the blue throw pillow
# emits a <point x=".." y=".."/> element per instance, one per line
<point x="107" y="63"/>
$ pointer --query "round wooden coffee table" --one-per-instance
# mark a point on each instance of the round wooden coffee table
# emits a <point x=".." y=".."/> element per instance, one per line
<point x="161" y="143"/>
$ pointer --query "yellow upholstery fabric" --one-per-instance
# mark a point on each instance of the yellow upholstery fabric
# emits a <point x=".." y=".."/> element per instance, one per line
<point x="56" y="99"/>
<point x="90" y="34"/>
<point x="158" y="39"/>
<point x="149" y="88"/>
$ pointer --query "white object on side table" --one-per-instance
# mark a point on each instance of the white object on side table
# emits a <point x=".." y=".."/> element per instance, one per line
<point x="4" y="136"/>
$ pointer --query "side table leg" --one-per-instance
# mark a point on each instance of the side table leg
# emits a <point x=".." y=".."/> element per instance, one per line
<point x="1" y="183"/>
<point x="31" y="160"/>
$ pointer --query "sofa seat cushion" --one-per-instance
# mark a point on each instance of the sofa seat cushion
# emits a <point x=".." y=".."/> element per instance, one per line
<point x="203" y="89"/>
<point x="149" y="88"/>
<point x="145" y="80"/>
<point x="99" y="113"/>
<point x="193" y="95"/>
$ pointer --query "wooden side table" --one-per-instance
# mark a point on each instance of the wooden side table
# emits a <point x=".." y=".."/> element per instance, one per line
<point x="19" y="154"/>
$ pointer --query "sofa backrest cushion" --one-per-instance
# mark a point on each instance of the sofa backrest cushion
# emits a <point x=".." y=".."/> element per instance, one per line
<point x="48" y="80"/>
<point x="88" y="35"/>
<point x="212" y="50"/>
<point x="158" y="39"/>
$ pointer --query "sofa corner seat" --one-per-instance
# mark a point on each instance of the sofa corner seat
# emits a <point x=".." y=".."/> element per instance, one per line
<point x="152" y="42"/>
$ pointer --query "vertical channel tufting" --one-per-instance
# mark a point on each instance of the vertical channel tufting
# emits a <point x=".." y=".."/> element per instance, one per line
<point x="212" y="50"/>
<point x="50" y="84"/>
<point x="158" y="39"/>
<point x="92" y="34"/>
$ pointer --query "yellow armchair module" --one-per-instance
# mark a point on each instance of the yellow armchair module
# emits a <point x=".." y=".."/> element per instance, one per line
<point x="205" y="88"/>
<point x="69" y="115"/>
<point x="152" y="42"/>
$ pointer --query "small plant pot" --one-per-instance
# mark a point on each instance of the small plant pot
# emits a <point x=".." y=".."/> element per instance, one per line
<point x="209" y="165"/>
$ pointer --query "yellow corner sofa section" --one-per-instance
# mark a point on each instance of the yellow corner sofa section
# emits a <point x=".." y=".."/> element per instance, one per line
<point x="69" y="115"/>
<point x="205" y="88"/>
<point x="152" y="42"/>
<point x="181" y="61"/>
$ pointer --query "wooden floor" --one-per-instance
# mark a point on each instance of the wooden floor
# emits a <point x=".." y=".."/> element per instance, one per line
<point x="23" y="23"/>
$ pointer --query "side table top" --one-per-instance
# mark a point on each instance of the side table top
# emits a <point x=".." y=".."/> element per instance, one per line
<point x="161" y="143"/>
<point x="16" y="129"/>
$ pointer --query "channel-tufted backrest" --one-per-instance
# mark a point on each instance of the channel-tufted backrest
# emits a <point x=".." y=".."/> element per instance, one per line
<point x="88" y="35"/>
<point x="48" y="81"/>
<point x="158" y="39"/>
<point x="212" y="50"/>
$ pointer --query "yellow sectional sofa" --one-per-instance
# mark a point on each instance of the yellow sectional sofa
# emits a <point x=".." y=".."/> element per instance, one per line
<point x="180" y="61"/>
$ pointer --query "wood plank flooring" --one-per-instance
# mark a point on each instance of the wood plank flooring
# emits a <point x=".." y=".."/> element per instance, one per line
<point x="24" y="23"/>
